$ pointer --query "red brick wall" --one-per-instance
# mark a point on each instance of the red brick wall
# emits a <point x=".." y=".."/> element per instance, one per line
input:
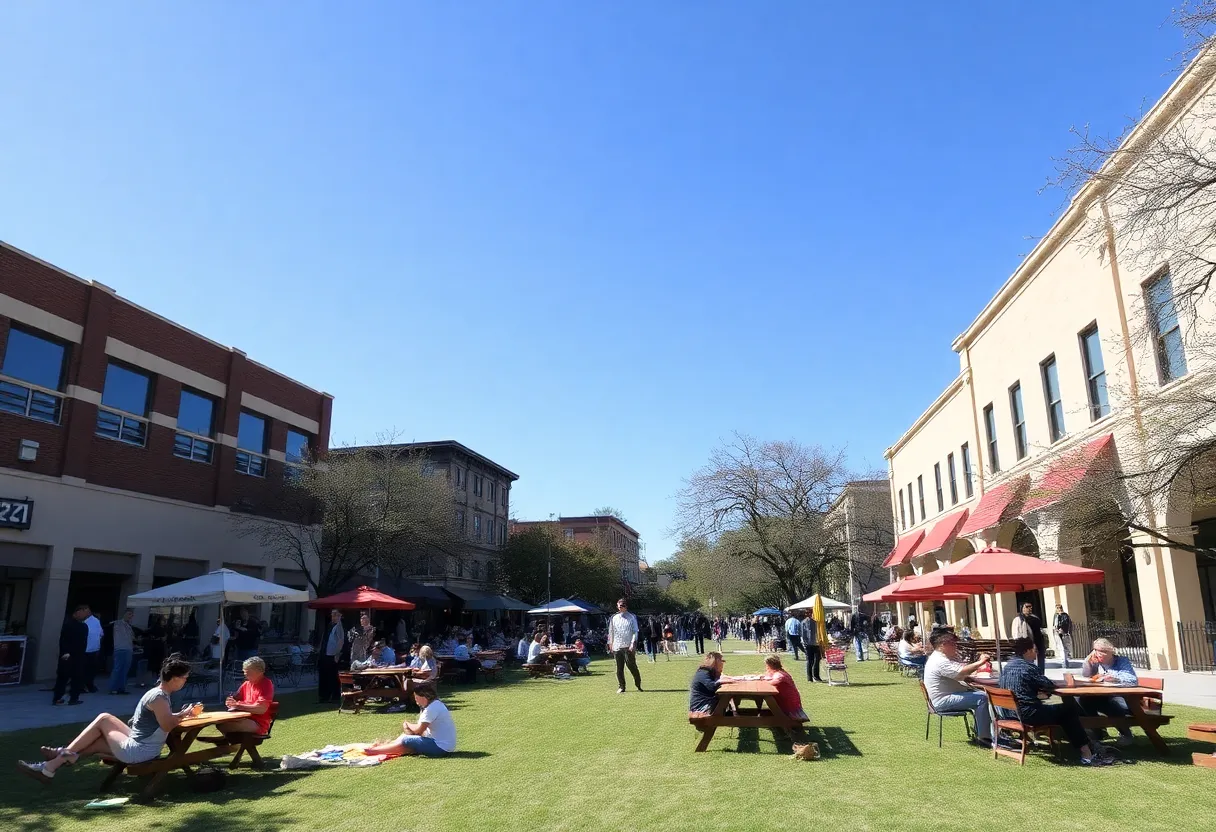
<point x="278" y="390"/>
<point x="149" y="333"/>
<point x="30" y="281"/>
<point x="152" y="469"/>
<point x="50" y="439"/>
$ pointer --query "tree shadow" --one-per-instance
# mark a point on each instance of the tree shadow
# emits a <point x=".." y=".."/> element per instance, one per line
<point x="833" y="741"/>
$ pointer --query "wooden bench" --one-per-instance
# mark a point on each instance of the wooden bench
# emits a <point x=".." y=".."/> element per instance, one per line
<point x="762" y="693"/>
<point x="247" y="741"/>
<point x="1202" y="733"/>
<point x="153" y="772"/>
<point x="539" y="669"/>
<point x="378" y="687"/>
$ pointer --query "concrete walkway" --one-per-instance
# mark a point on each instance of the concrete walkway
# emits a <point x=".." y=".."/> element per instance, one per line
<point x="29" y="706"/>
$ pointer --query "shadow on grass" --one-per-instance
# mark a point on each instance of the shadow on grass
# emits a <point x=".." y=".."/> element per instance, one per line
<point x="869" y="684"/>
<point x="833" y="741"/>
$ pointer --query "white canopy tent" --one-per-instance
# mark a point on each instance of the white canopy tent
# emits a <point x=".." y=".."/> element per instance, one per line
<point x="809" y="603"/>
<point x="222" y="587"/>
<point x="561" y="607"/>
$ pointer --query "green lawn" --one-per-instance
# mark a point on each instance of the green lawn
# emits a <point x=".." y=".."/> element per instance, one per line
<point x="544" y="754"/>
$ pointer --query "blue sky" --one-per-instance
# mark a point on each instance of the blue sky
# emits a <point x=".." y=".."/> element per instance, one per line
<point x="587" y="239"/>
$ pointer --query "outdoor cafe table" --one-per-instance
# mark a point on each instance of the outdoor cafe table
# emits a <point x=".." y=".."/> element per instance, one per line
<point x="376" y="677"/>
<point x="178" y="741"/>
<point x="762" y="693"/>
<point x="1134" y="696"/>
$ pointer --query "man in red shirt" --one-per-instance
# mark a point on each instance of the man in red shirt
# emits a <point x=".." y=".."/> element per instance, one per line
<point x="254" y="698"/>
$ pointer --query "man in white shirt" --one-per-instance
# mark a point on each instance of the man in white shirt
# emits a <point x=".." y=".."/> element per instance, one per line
<point x="433" y="735"/>
<point x="332" y="643"/>
<point x="521" y="649"/>
<point x="623" y="644"/>
<point x="944" y="675"/>
<point x="92" y="652"/>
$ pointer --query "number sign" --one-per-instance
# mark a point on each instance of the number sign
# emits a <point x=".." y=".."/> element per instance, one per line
<point x="15" y="514"/>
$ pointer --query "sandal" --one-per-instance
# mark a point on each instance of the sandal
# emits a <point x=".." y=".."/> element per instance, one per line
<point x="49" y="753"/>
<point x="36" y="771"/>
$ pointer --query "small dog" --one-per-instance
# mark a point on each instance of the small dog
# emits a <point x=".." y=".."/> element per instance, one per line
<point x="810" y="751"/>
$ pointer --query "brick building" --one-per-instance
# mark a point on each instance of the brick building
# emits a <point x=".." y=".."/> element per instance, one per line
<point x="129" y="439"/>
<point x="613" y="535"/>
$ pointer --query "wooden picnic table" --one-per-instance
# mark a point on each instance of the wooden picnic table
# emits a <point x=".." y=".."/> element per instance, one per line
<point x="1134" y="696"/>
<point x="180" y="756"/>
<point x="377" y="677"/>
<point x="762" y="693"/>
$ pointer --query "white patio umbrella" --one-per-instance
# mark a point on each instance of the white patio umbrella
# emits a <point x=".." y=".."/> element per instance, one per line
<point x="560" y="607"/>
<point x="223" y="587"/>
<point x="828" y="604"/>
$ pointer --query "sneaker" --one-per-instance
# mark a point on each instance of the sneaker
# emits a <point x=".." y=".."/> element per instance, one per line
<point x="1124" y="740"/>
<point x="1096" y="760"/>
<point x="620" y="690"/>
<point x="35" y="770"/>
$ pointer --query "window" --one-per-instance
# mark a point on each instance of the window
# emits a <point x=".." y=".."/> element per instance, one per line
<point x="903" y="520"/>
<point x="568" y="534"/>
<point x="297" y="447"/>
<point x="1167" y="334"/>
<point x="953" y="481"/>
<point x="504" y="495"/>
<point x="968" y="488"/>
<point x="493" y="495"/>
<point x="477" y="484"/>
<point x="195" y="426"/>
<point x="251" y="445"/>
<point x="1019" y="419"/>
<point x="460" y="520"/>
<point x="462" y="479"/>
<point x="983" y="610"/>
<point x="911" y="507"/>
<point x="1095" y="373"/>
<point x="502" y="534"/>
<point x="920" y="489"/>
<point x="1051" y="395"/>
<point x="476" y="525"/>
<point x="937" y="477"/>
<point x="124" y="405"/>
<point x="39" y="361"/>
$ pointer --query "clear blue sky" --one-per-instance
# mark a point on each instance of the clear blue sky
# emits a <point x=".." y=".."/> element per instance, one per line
<point x="587" y="239"/>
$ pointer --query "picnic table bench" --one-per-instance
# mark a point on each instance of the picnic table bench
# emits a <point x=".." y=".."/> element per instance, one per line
<point x="1202" y="733"/>
<point x="393" y="683"/>
<point x="178" y="741"/>
<point x="762" y="693"/>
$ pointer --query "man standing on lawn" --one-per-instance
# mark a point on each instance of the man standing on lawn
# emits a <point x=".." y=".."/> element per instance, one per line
<point x="623" y="644"/>
<point x="808" y="631"/>
<point x="332" y="644"/>
<point x="1063" y="629"/>
<point x="792" y="633"/>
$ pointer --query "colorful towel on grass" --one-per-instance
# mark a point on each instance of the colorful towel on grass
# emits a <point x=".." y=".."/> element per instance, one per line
<point x="332" y="756"/>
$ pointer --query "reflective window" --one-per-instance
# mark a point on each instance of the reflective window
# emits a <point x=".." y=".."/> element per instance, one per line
<point x="1095" y="373"/>
<point x="1018" y="414"/>
<point x="196" y="413"/>
<point x="126" y="390"/>
<point x="1051" y="394"/>
<point x="34" y="358"/>
<point x="1171" y="356"/>
<point x="297" y="446"/>
<point x="251" y="434"/>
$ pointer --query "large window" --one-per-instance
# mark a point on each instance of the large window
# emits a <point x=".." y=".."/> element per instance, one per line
<point x="460" y="520"/>
<point x="504" y="495"/>
<point x="477" y="527"/>
<point x="1051" y="395"/>
<point x="251" y="445"/>
<point x="40" y="362"/>
<point x="911" y="507"/>
<point x="968" y="487"/>
<point x="502" y="534"/>
<point x="1167" y="333"/>
<point x="1095" y="373"/>
<point x="493" y="495"/>
<point x="195" y="427"/>
<point x="937" y="477"/>
<point x="477" y="484"/>
<point x="124" y="405"/>
<point x="1018" y="414"/>
<point x="920" y="489"/>
<point x="994" y="459"/>
<point x="903" y="518"/>
<point x="953" y="480"/>
<point x="297" y="447"/>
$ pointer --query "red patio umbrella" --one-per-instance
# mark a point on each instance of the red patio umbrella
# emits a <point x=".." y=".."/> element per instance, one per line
<point x="990" y="571"/>
<point x="900" y="591"/>
<point x="362" y="598"/>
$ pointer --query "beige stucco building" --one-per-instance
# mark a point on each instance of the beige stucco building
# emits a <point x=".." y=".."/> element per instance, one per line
<point x="1065" y="366"/>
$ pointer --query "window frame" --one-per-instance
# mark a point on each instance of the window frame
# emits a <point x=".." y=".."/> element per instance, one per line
<point x="51" y="398"/>
<point x="124" y="420"/>
<point x="953" y="479"/>
<point x="477" y="526"/>
<point x="1017" y="415"/>
<point x="920" y="493"/>
<point x="198" y="447"/>
<point x="1055" y="407"/>
<point x="248" y="462"/>
<point x="903" y="519"/>
<point x="941" y="497"/>
<point x="1165" y="373"/>
<point x="968" y="483"/>
<point x="1097" y="409"/>
<point x="994" y="455"/>
<point x="911" y="507"/>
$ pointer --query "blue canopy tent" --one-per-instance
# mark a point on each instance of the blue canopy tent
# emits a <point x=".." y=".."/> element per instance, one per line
<point x="767" y="611"/>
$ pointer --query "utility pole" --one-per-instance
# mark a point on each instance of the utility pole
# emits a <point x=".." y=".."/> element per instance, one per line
<point x="549" y="572"/>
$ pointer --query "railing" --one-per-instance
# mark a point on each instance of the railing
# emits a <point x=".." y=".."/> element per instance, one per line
<point x="1197" y="640"/>
<point x="1128" y="637"/>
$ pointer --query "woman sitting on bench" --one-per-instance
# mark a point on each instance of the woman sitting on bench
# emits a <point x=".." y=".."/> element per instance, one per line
<point x="253" y="697"/>
<point x="787" y="692"/>
<point x="137" y="742"/>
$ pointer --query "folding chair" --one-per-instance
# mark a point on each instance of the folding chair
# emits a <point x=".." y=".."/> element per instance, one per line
<point x="833" y="659"/>
<point x="941" y="716"/>
<point x="998" y="699"/>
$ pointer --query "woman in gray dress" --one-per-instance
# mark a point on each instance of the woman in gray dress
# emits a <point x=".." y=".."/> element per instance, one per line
<point x="136" y="742"/>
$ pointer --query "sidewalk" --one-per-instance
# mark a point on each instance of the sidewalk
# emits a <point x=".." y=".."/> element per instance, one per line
<point x="29" y="706"/>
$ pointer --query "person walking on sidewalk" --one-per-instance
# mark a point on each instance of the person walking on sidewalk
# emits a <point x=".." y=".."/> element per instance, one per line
<point x="808" y="631"/>
<point x="623" y="644"/>
<point x="1062" y="626"/>
<point x="124" y="649"/>
<point x="73" y="639"/>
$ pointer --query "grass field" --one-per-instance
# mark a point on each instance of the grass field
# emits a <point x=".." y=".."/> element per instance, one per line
<point x="544" y="754"/>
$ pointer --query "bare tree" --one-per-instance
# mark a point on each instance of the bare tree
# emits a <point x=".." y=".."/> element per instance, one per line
<point x="609" y="511"/>
<point x="358" y="510"/>
<point x="764" y="503"/>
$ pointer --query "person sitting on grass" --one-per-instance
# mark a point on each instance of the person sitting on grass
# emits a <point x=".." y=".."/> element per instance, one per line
<point x="910" y="650"/>
<point x="787" y="692"/>
<point x="136" y="742"/>
<point x="433" y="735"/>
<point x="1105" y="663"/>
<point x="253" y="697"/>
<point x="1021" y="677"/>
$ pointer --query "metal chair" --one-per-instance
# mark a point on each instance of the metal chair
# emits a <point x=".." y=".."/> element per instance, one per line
<point x="833" y="659"/>
<point x="942" y="716"/>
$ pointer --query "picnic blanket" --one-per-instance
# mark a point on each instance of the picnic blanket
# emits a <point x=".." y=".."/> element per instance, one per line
<point x="332" y="756"/>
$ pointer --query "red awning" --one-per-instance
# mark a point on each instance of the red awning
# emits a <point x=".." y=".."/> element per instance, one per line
<point x="903" y="549"/>
<point x="943" y="534"/>
<point x="363" y="598"/>
<point x="994" y="504"/>
<point x="1069" y="470"/>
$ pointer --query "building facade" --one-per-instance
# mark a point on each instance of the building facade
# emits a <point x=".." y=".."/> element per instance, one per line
<point x="612" y="535"/>
<point x="861" y="519"/>
<point x="1062" y="374"/>
<point x="126" y="441"/>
